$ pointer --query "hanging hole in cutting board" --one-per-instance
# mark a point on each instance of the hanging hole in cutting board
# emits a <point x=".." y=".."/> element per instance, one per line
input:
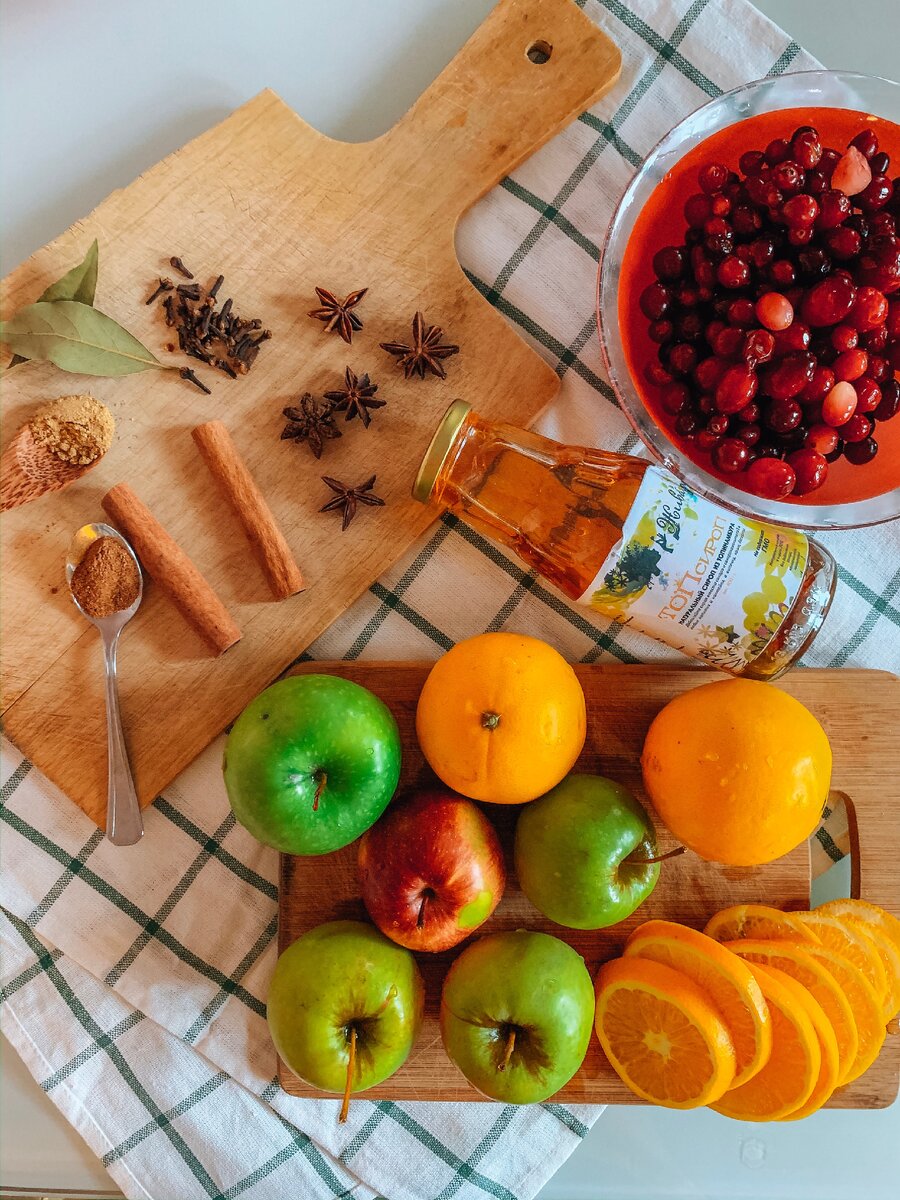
<point x="539" y="52"/>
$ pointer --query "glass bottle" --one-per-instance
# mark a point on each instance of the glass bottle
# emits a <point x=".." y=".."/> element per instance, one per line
<point x="626" y="538"/>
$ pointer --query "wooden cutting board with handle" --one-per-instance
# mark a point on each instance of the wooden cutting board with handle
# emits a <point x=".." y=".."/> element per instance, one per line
<point x="859" y="711"/>
<point x="278" y="209"/>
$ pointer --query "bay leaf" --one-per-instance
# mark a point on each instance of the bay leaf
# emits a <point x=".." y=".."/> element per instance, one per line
<point x="77" y="338"/>
<point x="80" y="283"/>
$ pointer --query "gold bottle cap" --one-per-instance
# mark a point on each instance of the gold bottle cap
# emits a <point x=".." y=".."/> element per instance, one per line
<point x="436" y="454"/>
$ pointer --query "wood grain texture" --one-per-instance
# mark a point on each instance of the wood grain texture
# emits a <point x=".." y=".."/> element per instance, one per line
<point x="278" y="208"/>
<point x="621" y="702"/>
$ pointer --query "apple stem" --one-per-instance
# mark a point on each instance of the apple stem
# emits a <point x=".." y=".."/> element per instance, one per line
<point x="507" y="1053"/>
<point x="646" y="862"/>
<point x="490" y="720"/>
<point x="420" y="919"/>
<point x="351" y="1063"/>
<point x="321" y="779"/>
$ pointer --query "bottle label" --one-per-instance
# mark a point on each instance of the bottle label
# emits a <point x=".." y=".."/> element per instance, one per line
<point x="697" y="577"/>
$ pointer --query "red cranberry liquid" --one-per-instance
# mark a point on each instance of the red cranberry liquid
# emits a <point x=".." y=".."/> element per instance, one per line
<point x="760" y="305"/>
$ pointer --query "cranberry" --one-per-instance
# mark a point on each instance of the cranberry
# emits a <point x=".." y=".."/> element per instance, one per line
<point x="869" y="310"/>
<point x="697" y="210"/>
<point x="860" y="453"/>
<point x="800" y="211"/>
<point x="819" y="386"/>
<point x="749" y="433"/>
<point x="782" y="272"/>
<point x="893" y="318"/>
<point x="655" y="301"/>
<point x="741" y="312"/>
<point x="745" y="220"/>
<point x="718" y="424"/>
<point x="709" y="372"/>
<point x="719" y="244"/>
<point x="843" y="242"/>
<point x="810" y="469"/>
<point x="836" y="453"/>
<point x="751" y="161"/>
<point x="814" y="263"/>
<point x="890" y="401"/>
<point x="706" y="439"/>
<point x="789" y="177"/>
<point x="875" y="340"/>
<point x="762" y="251"/>
<point x="774" y="311"/>
<point x="771" y="478"/>
<point x="784" y="415"/>
<point x="762" y="191"/>
<point x="707" y="405"/>
<point x="689" y="326"/>
<point x="736" y="388"/>
<point x="806" y="148"/>
<point x="682" y="358"/>
<point x="822" y="438"/>
<point x="839" y="405"/>
<point x="801" y="237"/>
<point x="732" y="273"/>
<point x="868" y="395"/>
<point x="657" y="374"/>
<point x="856" y="428"/>
<point x="880" y="163"/>
<point x="816" y="182"/>
<point x="728" y="342"/>
<point x="660" y="332"/>
<point x="789" y="377"/>
<point x="686" y="296"/>
<point x="883" y="223"/>
<point x="712" y="178"/>
<point x="876" y="194"/>
<point x="668" y="263"/>
<point x="759" y="345"/>
<point x="721" y="206"/>
<point x="879" y="264"/>
<point x="686" y="423"/>
<point x="844" y="337"/>
<point x="850" y="365"/>
<point x="796" y="337"/>
<point x="829" y="301"/>
<point x="777" y="151"/>
<point x="879" y="368"/>
<point x="674" y="398"/>
<point x="829" y="160"/>
<point x="834" y="209"/>
<point x="730" y="455"/>
<point x="866" y="142"/>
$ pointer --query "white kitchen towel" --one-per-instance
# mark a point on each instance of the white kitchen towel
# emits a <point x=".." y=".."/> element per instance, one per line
<point x="134" y="980"/>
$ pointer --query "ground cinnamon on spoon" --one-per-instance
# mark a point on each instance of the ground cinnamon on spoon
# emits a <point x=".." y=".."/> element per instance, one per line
<point x="106" y="580"/>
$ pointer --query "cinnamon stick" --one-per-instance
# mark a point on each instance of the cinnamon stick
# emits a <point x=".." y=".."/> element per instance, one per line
<point x="266" y="539"/>
<point x="171" y="569"/>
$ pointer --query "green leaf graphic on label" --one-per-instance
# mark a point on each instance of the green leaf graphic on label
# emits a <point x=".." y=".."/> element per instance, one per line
<point x="77" y="338"/>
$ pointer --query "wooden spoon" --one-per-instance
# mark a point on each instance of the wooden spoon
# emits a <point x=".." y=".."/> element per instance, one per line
<point x="28" y="470"/>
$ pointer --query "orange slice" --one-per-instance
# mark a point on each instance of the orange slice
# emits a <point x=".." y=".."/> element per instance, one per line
<point x="661" y="1034"/>
<point x="837" y="935"/>
<point x="828" y="1072"/>
<point x="727" y="981"/>
<point x="789" y="1078"/>
<point x="884" y="929"/>
<point x="866" y="1005"/>
<point x="796" y="961"/>
<point x="757" y="921"/>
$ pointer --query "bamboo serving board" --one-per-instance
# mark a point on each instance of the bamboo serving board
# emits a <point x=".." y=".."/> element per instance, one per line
<point x="621" y="702"/>
<point x="278" y="209"/>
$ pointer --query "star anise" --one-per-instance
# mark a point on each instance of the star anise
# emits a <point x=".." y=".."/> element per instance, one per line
<point x="338" y="315"/>
<point x="347" y="498"/>
<point x="310" y="422"/>
<point x="356" y="397"/>
<point x="426" y="350"/>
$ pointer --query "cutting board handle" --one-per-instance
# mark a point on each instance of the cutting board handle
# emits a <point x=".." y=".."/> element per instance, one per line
<point x="530" y="68"/>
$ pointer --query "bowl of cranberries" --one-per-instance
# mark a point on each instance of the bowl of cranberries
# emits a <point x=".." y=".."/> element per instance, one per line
<point x="749" y="300"/>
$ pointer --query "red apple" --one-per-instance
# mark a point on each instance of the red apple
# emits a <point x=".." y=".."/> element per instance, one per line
<point x="431" y="870"/>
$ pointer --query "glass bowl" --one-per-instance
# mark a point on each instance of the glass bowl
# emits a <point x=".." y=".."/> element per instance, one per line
<point x="843" y="502"/>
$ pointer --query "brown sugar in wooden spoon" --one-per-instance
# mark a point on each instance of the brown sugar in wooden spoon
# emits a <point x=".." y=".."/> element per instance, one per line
<point x="61" y="442"/>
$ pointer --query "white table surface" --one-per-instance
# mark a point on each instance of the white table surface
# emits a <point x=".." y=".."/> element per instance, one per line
<point x="94" y="92"/>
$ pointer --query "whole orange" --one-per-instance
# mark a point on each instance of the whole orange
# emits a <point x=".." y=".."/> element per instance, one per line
<point x="738" y="770"/>
<point x="501" y="718"/>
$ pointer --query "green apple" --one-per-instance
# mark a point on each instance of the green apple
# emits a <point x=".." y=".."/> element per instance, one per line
<point x="345" y="1005"/>
<point x="582" y="853"/>
<point x="517" y="1012"/>
<point x="311" y="763"/>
